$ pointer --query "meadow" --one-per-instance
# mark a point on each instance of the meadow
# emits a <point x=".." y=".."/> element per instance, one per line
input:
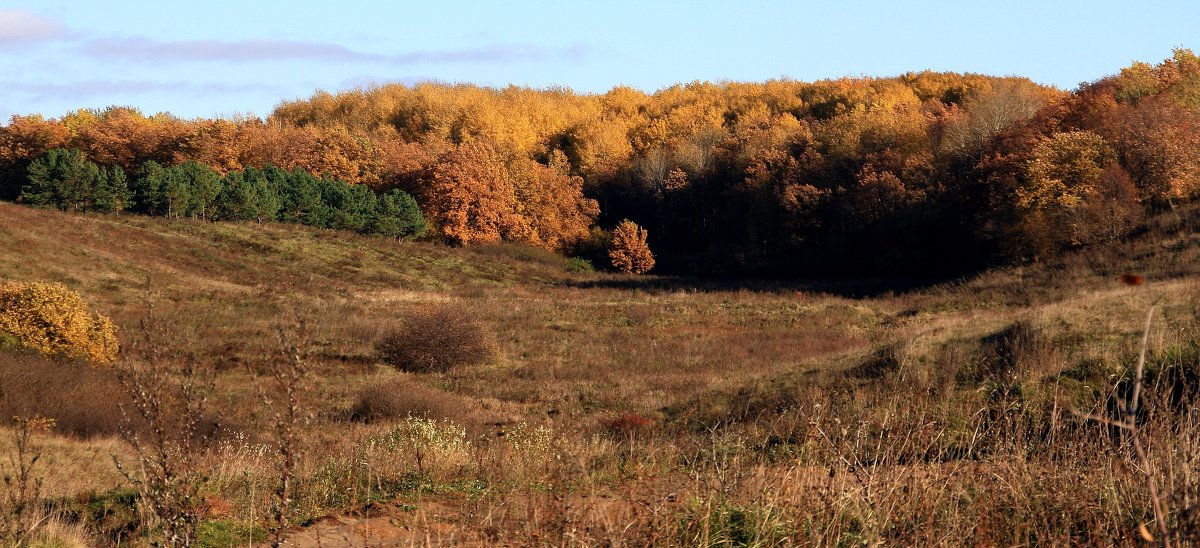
<point x="606" y="409"/>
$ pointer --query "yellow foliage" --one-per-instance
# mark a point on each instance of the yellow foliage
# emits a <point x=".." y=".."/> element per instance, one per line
<point x="1064" y="170"/>
<point x="54" y="321"/>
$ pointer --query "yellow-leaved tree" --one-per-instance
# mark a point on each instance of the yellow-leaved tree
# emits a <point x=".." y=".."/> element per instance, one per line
<point x="54" y="321"/>
<point x="1074" y="193"/>
<point x="629" y="252"/>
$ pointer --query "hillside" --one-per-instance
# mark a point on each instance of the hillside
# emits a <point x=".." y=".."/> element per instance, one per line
<point x="629" y="409"/>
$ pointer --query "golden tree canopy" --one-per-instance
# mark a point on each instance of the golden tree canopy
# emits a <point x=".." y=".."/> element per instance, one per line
<point x="54" y="321"/>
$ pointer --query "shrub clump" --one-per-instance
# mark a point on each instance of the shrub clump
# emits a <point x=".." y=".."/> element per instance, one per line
<point x="402" y="399"/>
<point x="436" y="340"/>
<point x="1008" y="354"/>
<point x="580" y="265"/>
<point x="627" y="424"/>
<point x="883" y="361"/>
<point x="32" y="386"/>
<point x="54" y="321"/>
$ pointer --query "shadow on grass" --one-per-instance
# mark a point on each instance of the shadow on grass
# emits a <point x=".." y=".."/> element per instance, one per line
<point x="854" y="288"/>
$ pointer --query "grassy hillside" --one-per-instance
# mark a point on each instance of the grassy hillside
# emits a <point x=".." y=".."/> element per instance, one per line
<point x="625" y="410"/>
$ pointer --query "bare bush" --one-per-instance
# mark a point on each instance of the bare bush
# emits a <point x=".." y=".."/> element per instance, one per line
<point x="289" y="373"/>
<point x="1008" y="354"/>
<point x="22" y="489"/>
<point x="884" y="360"/>
<point x="164" y="424"/>
<point x="398" y="399"/>
<point x="436" y="340"/>
<point x="83" y="401"/>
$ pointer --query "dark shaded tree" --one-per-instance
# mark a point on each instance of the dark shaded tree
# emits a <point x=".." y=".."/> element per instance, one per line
<point x="63" y="178"/>
<point x="397" y="215"/>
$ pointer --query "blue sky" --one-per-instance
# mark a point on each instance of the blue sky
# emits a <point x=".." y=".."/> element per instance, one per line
<point x="223" y="57"/>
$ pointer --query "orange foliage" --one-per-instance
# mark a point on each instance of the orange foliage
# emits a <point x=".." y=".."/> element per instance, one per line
<point x="473" y="195"/>
<point x="124" y="137"/>
<point x="1159" y="139"/>
<point x="22" y="140"/>
<point x="629" y="252"/>
<point x="335" y="153"/>
<point x="469" y="197"/>
<point x="401" y="163"/>
<point x="759" y="172"/>
<point x="27" y="137"/>
<point x="551" y="202"/>
<point x="213" y="143"/>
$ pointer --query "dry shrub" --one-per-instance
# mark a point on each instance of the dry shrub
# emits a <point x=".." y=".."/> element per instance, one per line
<point x="54" y="321"/>
<point x="626" y="424"/>
<point x="82" y="400"/>
<point x="1008" y="354"/>
<point x="402" y="398"/>
<point x="1172" y="382"/>
<point x="881" y="362"/>
<point x="436" y="339"/>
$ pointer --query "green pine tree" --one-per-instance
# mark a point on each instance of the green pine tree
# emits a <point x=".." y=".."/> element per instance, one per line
<point x="62" y="178"/>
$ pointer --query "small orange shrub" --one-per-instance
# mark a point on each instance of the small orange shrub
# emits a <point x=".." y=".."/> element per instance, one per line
<point x="629" y="252"/>
<point x="627" y="424"/>
<point x="54" y="321"/>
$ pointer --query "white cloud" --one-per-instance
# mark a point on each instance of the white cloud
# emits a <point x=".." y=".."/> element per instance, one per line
<point x="147" y="49"/>
<point x="22" y="26"/>
<point x="95" y="88"/>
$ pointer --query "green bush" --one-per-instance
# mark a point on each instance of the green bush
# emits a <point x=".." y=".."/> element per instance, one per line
<point x="580" y="265"/>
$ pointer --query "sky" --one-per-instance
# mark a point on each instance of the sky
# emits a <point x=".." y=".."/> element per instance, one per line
<point x="209" y="58"/>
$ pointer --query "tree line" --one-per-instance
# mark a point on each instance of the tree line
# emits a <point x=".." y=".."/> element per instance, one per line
<point x="924" y="173"/>
<point x="67" y="180"/>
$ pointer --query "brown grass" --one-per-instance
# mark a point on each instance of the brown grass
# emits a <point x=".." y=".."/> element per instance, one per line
<point x="403" y="397"/>
<point x="83" y="401"/>
<point x="773" y="415"/>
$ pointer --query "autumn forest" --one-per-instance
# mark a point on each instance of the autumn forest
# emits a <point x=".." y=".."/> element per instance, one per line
<point x="922" y="174"/>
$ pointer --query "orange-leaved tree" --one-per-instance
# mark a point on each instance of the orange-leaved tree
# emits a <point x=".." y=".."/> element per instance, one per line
<point x="469" y="196"/>
<point x="22" y="140"/>
<point x="629" y="252"/>
<point x="551" y="203"/>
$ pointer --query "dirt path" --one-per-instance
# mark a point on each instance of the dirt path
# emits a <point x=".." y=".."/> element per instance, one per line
<point x="430" y="524"/>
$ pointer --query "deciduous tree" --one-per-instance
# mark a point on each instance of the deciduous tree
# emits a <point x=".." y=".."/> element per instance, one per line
<point x="22" y="140"/>
<point x="629" y="252"/>
<point x="469" y="196"/>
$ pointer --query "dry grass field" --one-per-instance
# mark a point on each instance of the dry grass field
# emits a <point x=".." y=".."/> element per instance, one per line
<point x="605" y="409"/>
